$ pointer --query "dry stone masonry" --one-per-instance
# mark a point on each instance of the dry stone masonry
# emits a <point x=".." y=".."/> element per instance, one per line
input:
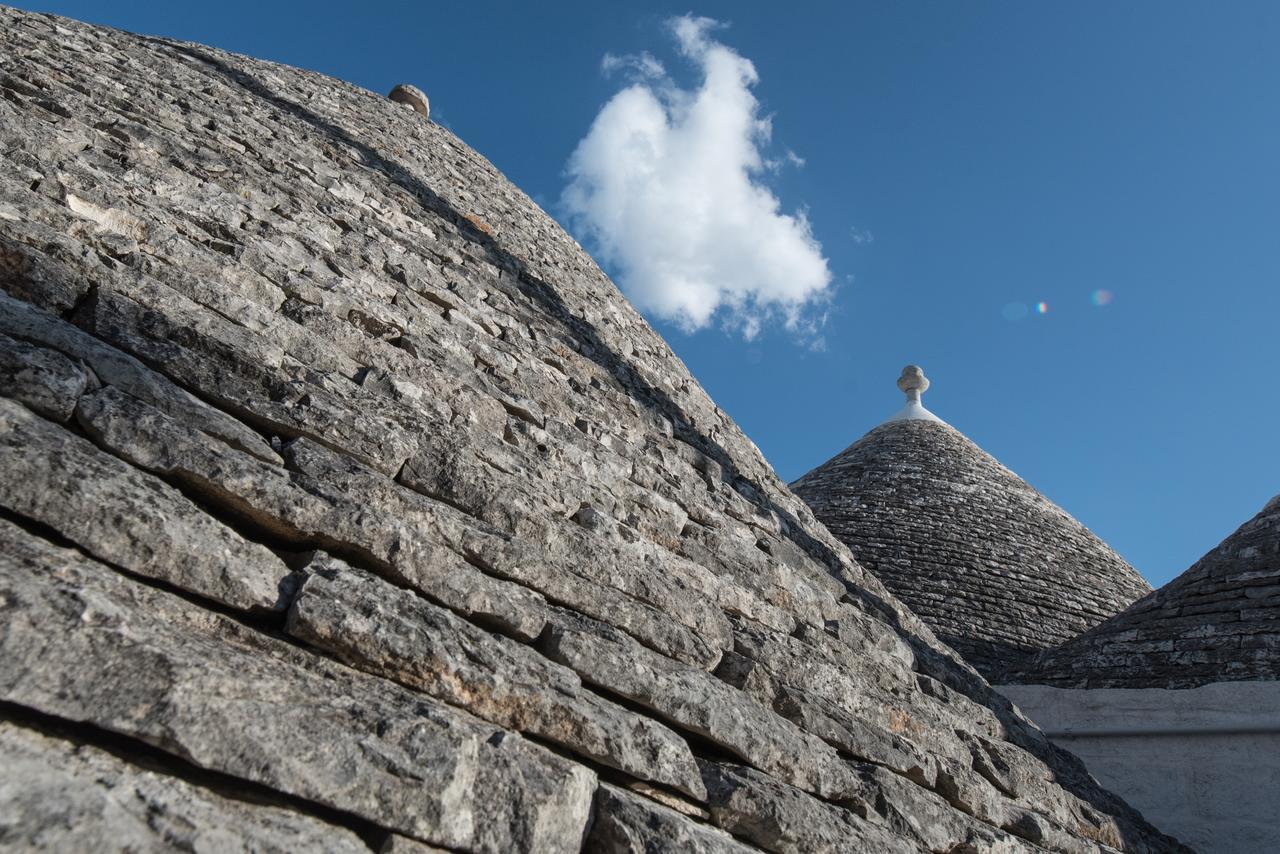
<point x="1217" y="622"/>
<point x="995" y="568"/>
<point x="333" y="520"/>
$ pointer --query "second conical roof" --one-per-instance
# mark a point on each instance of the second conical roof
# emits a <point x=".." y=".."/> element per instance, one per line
<point x="1217" y="622"/>
<point x="996" y="569"/>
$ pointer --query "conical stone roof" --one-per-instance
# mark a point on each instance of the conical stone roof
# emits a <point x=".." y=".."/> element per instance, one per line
<point x="1217" y="622"/>
<point x="995" y="568"/>
<point x="345" y="502"/>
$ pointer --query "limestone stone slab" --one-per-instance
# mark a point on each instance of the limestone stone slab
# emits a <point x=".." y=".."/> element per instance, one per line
<point x="330" y="502"/>
<point x="25" y="322"/>
<point x="781" y="818"/>
<point x="623" y="823"/>
<point x="698" y="702"/>
<point x="129" y="518"/>
<point x="59" y="796"/>
<point x="238" y="383"/>
<point x="44" y="380"/>
<point x="390" y="631"/>
<point x="574" y="586"/>
<point x="86" y="644"/>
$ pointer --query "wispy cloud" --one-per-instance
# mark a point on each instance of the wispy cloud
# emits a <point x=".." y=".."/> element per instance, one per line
<point x="643" y="65"/>
<point x="668" y="186"/>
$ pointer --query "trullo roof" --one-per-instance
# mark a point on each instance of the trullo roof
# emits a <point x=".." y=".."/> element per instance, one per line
<point x="346" y="503"/>
<point x="1217" y="622"/>
<point x="996" y="569"/>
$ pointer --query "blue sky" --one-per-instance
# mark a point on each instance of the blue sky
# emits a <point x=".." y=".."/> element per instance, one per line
<point x="960" y="160"/>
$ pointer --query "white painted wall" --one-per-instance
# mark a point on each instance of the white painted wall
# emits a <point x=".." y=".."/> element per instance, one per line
<point x="1202" y="764"/>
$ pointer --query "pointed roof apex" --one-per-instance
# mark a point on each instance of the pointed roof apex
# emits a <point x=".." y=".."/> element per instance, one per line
<point x="913" y="383"/>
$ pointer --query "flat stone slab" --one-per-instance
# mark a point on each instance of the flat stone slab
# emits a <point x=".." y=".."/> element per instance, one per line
<point x="56" y="795"/>
<point x="85" y="644"/>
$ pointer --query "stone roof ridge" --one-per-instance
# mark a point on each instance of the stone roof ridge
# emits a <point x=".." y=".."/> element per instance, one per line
<point x="913" y="383"/>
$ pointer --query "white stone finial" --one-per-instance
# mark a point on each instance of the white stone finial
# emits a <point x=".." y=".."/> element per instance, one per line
<point x="411" y="95"/>
<point x="913" y="383"/>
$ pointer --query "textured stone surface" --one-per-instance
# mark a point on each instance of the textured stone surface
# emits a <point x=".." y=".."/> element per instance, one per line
<point x="385" y="630"/>
<point x="628" y="823"/>
<point x="24" y="322"/>
<point x="1217" y="622"/>
<point x="46" y="381"/>
<point x="997" y="570"/>
<point x="321" y="499"/>
<point x="136" y="661"/>
<point x="259" y="314"/>
<point x="56" y="795"/>
<point x="696" y="702"/>
<point x="778" y="817"/>
<point x="129" y="518"/>
<point x="397" y="844"/>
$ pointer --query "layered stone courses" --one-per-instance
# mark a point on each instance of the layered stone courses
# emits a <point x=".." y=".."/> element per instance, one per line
<point x="1217" y="622"/>
<point x="413" y="527"/>
<point x="997" y="570"/>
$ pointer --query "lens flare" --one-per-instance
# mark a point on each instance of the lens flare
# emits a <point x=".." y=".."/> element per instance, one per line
<point x="1102" y="297"/>
<point x="1042" y="308"/>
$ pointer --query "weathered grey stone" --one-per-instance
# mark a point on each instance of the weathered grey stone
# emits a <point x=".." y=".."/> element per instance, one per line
<point x="406" y="93"/>
<point x="381" y="629"/>
<point x="420" y="541"/>
<point x="836" y="694"/>
<point x="576" y="586"/>
<point x="45" y="381"/>
<point x="930" y="820"/>
<point x="22" y="321"/>
<point x="528" y="500"/>
<point x="693" y="700"/>
<point x="240" y="383"/>
<point x="397" y="844"/>
<point x="629" y="824"/>
<point x="781" y="818"/>
<point x="59" y="796"/>
<point x="129" y="518"/>
<point x="85" y="644"/>
<point x="330" y="502"/>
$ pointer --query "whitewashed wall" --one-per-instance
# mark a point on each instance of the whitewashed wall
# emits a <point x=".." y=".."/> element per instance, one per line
<point x="1202" y="764"/>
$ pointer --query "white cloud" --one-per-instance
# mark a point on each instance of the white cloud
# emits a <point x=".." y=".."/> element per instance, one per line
<point x="668" y="187"/>
<point x="643" y="66"/>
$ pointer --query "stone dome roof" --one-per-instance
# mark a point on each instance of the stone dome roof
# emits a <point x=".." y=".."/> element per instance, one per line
<point x="995" y="568"/>
<point x="1217" y="622"/>
<point x="346" y="503"/>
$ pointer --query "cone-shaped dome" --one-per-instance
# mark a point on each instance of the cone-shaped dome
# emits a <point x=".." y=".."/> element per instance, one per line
<point x="1217" y="622"/>
<point x="995" y="568"/>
